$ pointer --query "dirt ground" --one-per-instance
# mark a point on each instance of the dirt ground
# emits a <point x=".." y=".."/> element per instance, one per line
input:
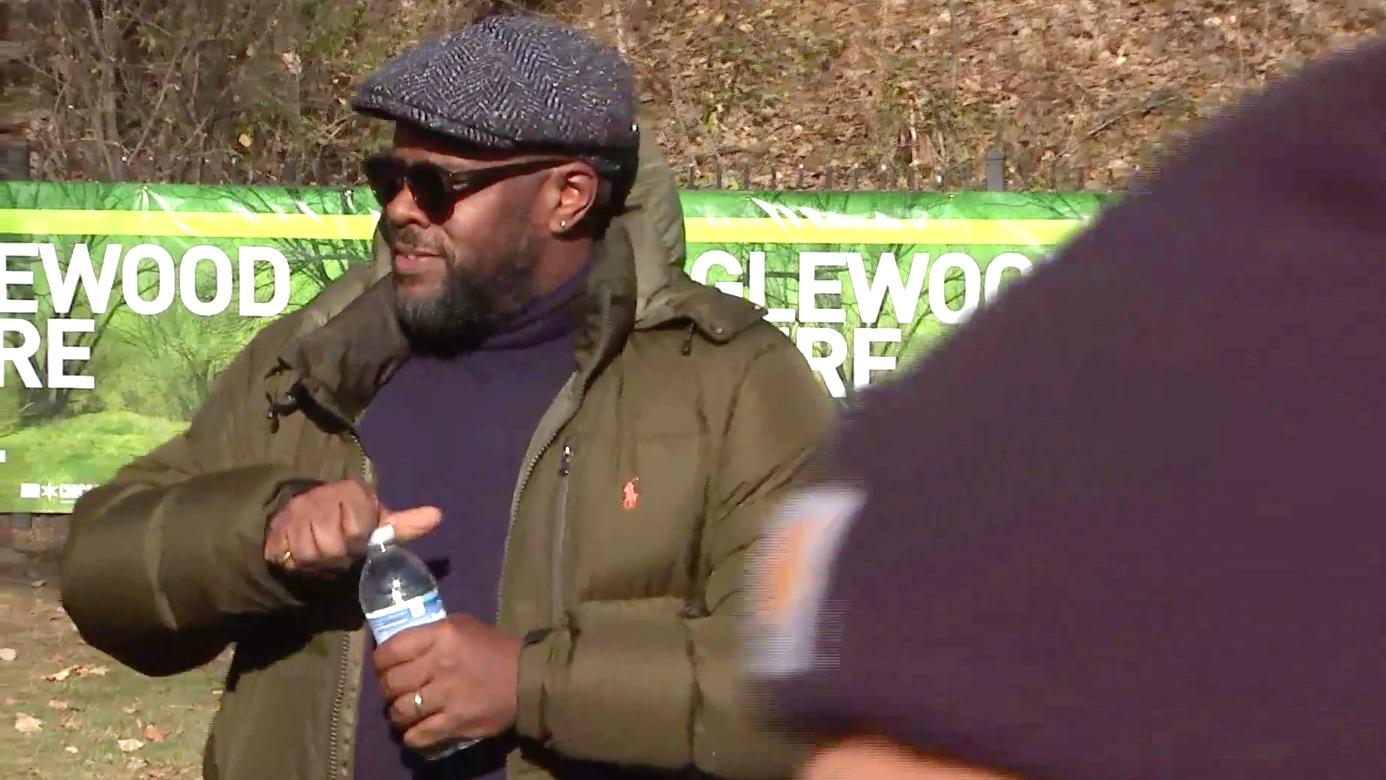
<point x="68" y="711"/>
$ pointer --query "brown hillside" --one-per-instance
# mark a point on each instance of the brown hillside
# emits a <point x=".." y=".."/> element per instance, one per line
<point x="1075" y="91"/>
<point x="1078" y="93"/>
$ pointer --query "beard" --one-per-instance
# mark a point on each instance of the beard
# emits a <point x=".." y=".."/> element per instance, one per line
<point x="470" y="303"/>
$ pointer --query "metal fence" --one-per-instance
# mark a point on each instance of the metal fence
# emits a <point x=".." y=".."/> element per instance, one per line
<point x="990" y="176"/>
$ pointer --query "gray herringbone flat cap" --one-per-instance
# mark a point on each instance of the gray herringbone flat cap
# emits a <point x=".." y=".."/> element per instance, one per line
<point x="511" y="83"/>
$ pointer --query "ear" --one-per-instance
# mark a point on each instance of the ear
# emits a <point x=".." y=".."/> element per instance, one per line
<point x="577" y="188"/>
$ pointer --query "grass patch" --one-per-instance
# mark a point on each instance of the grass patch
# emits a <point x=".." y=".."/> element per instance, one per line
<point x="86" y="449"/>
<point x="84" y="717"/>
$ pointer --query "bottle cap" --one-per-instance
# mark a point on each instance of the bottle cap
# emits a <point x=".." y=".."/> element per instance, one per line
<point x="382" y="535"/>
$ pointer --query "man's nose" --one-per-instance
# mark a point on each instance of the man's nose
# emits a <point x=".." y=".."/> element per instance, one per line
<point x="403" y="209"/>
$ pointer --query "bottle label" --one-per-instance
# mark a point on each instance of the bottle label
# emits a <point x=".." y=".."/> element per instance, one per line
<point x="418" y="611"/>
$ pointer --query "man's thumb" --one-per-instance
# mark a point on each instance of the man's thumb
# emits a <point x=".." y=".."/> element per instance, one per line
<point x="413" y="523"/>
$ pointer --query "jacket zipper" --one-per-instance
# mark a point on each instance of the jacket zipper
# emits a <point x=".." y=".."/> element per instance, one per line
<point x="525" y="474"/>
<point x="565" y="467"/>
<point x="335" y="770"/>
<point x="520" y="486"/>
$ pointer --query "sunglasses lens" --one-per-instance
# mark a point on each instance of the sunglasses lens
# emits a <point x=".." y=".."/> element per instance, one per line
<point x="385" y="176"/>
<point x="429" y="185"/>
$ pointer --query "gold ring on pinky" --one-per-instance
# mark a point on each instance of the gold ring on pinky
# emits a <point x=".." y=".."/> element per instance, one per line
<point x="418" y="704"/>
<point x="287" y="558"/>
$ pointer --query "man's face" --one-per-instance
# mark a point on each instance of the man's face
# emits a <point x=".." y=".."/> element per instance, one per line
<point x="467" y="261"/>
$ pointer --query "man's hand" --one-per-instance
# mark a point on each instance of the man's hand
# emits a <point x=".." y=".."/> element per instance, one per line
<point x="324" y="530"/>
<point x="464" y="673"/>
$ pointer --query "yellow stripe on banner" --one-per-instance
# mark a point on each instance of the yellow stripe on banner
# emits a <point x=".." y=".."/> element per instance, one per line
<point x="699" y="230"/>
<point x="203" y="224"/>
<point x="761" y="230"/>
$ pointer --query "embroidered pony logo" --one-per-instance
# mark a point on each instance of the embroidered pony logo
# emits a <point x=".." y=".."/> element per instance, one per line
<point x="630" y="493"/>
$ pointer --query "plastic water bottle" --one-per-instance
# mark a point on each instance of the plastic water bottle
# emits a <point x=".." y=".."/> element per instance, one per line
<point x="398" y="591"/>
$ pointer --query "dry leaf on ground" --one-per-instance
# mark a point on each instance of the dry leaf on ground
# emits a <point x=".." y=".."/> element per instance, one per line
<point x="84" y="670"/>
<point x="136" y="764"/>
<point x="155" y="733"/>
<point x="70" y="749"/>
<point x="70" y="723"/>
<point x="8" y="654"/>
<point x="38" y="583"/>
<point x="60" y="675"/>
<point x="129" y="709"/>
<point x="58" y="704"/>
<point x="129" y="745"/>
<point x="25" y="723"/>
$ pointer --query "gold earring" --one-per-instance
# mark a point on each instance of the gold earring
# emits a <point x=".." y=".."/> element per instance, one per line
<point x="562" y="224"/>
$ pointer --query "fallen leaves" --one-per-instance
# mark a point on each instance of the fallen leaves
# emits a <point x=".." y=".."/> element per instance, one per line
<point x="70" y="749"/>
<point x="25" y="723"/>
<point x="155" y="733"/>
<point x="81" y="670"/>
<point x="8" y="654"/>
<point x="129" y="745"/>
<point x="58" y="704"/>
<point x="60" y="675"/>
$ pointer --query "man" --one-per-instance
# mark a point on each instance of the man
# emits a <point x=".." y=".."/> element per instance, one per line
<point x="1127" y="524"/>
<point x="599" y="434"/>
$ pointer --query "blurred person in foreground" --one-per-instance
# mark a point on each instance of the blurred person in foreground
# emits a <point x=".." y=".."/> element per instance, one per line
<point x="599" y="434"/>
<point x="1126" y="525"/>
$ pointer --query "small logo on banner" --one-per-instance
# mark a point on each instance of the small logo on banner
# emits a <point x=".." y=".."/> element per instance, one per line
<point x="789" y="579"/>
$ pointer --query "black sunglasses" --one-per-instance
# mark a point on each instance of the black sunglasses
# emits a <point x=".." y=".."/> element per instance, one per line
<point x="436" y="188"/>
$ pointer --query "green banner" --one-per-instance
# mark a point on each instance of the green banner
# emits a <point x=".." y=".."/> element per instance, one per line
<point x="121" y="303"/>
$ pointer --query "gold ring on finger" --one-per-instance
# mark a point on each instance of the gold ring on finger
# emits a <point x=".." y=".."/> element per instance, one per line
<point x="287" y="558"/>
<point x="418" y="704"/>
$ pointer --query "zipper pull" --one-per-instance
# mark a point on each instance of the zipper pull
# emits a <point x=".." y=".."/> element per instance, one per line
<point x="565" y="463"/>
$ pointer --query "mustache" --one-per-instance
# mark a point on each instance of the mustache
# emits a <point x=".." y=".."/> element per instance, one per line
<point x="410" y="240"/>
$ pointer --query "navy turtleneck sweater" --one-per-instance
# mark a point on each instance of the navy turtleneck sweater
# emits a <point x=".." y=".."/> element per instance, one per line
<point x="452" y="434"/>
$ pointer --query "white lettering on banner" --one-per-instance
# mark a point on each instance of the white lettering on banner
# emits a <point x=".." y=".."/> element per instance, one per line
<point x="879" y="290"/>
<point x="10" y="305"/>
<point x="757" y="291"/>
<point x="59" y="353"/>
<point x="62" y="286"/>
<point x="999" y="265"/>
<point x="863" y="361"/>
<point x="279" y="265"/>
<point x="187" y="273"/>
<point x="938" y="287"/>
<point x="810" y="286"/>
<point x="63" y="491"/>
<point x="871" y="293"/>
<point x="150" y="280"/>
<point x="718" y="258"/>
<point x="826" y="365"/>
<point x="22" y="356"/>
<point x="150" y="284"/>
<point x="164" y="289"/>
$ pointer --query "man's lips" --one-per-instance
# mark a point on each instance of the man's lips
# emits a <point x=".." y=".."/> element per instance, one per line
<point x="412" y="262"/>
